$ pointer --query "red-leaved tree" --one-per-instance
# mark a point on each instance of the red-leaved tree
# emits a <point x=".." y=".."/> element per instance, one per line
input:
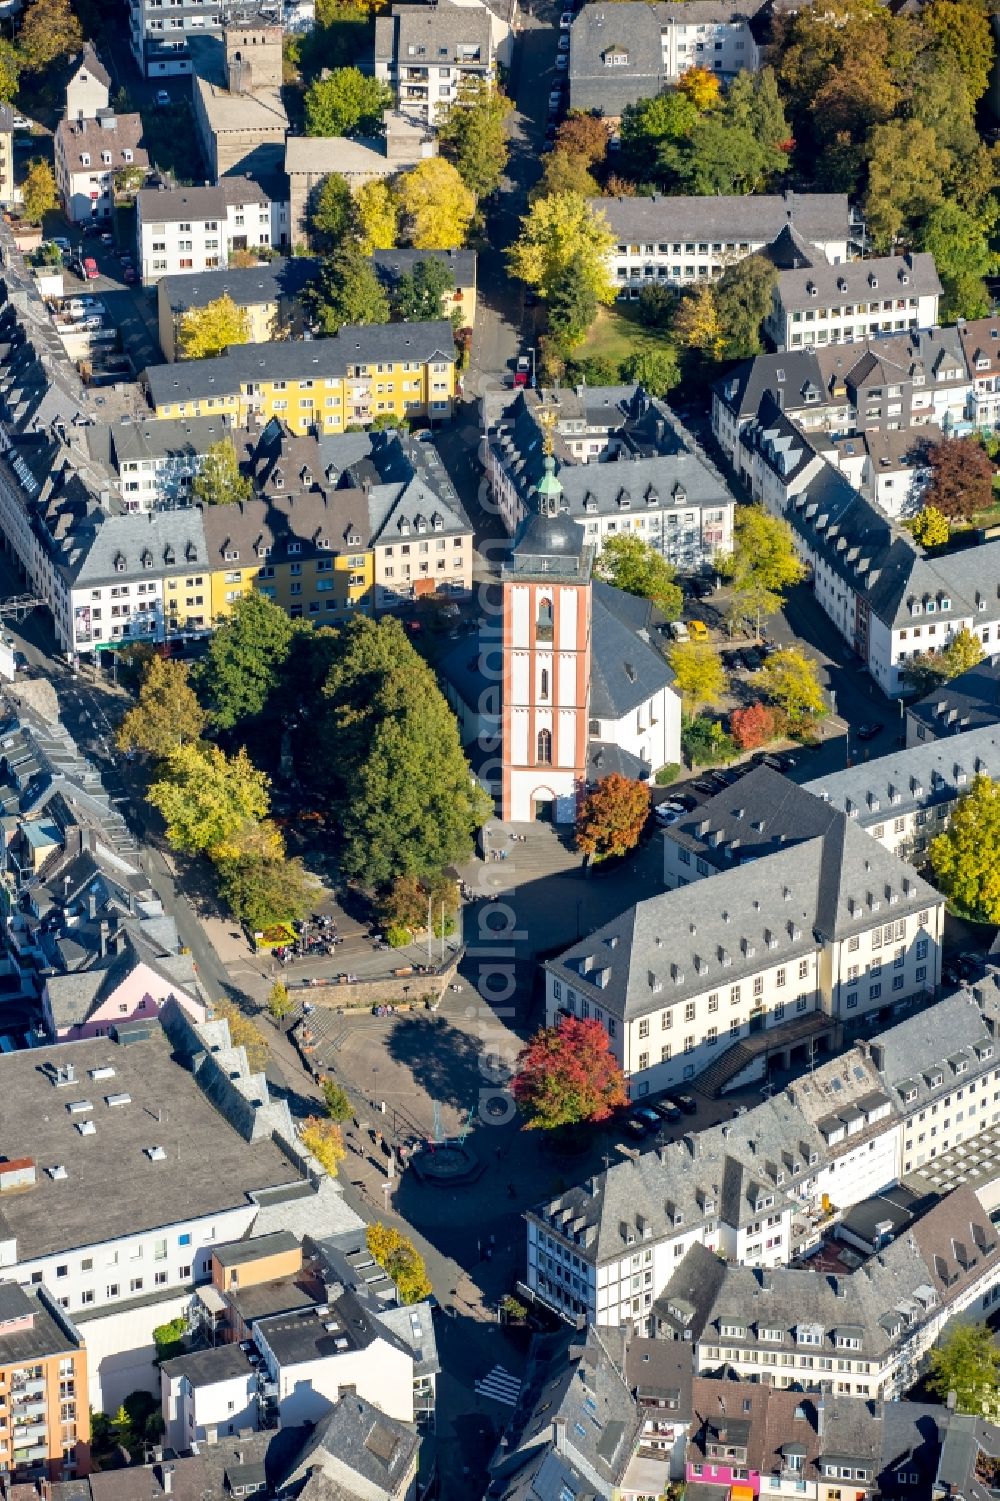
<point x="611" y="817"/>
<point x="961" y="479"/>
<point x="753" y="726"/>
<point x="567" y="1074"/>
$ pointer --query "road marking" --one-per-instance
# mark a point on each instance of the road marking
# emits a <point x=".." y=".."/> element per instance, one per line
<point x="500" y="1386"/>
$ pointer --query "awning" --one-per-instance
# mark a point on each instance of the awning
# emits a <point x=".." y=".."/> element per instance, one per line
<point x="213" y="1300"/>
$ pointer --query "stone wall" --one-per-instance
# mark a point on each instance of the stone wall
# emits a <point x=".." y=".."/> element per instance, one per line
<point x="404" y="990"/>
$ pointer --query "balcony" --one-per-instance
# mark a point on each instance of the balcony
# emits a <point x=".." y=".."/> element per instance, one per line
<point x="25" y="1408"/>
<point x="35" y="1387"/>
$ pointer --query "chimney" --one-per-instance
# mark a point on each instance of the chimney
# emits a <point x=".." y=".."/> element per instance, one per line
<point x="559" y="1435"/>
<point x="820" y="1415"/>
<point x="104" y="937"/>
<point x="167" y="1479"/>
<point x="691" y="1142"/>
<point x="92" y="906"/>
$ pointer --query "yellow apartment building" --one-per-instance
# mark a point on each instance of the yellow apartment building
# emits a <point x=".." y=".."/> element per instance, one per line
<point x="402" y="370"/>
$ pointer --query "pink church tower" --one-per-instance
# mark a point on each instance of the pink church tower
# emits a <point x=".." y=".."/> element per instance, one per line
<point x="546" y="663"/>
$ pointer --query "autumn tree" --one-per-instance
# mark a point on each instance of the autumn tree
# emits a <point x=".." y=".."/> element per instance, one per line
<point x="219" y="480"/>
<point x="585" y="136"/>
<point x="930" y="527"/>
<point x="10" y="71"/>
<point x="701" y="86"/>
<point x="206" y="798"/>
<point x="324" y="1140"/>
<point x="204" y="332"/>
<point x="791" y="681"/>
<point x="243" y="1033"/>
<point x="48" y="32"/>
<point x="699" y="676"/>
<point x="927" y="670"/>
<point x="436" y="206"/>
<point x="564" y="173"/>
<point x="752" y="726"/>
<point x="377" y="216"/>
<point x="410" y="902"/>
<point x="696" y="323"/>
<point x="965" y="859"/>
<point x="168" y="713"/>
<point x="346" y="100"/>
<point x="656" y="370"/>
<point x="556" y="233"/>
<point x="629" y="563"/>
<point x="261" y="886"/>
<point x="963" y="28"/>
<point x="399" y="1259"/>
<point x="473" y="134"/>
<point x="279" y="1002"/>
<point x="961" y="478"/>
<point x="567" y="1074"/>
<point x="762" y="566"/>
<point x="38" y="191"/>
<point x="611" y="817"/>
<point x="906" y="167"/>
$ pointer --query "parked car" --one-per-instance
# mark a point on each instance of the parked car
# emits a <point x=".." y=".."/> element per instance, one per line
<point x="698" y="630"/>
<point x="566" y="20"/>
<point x="130" y="276"/>
<point x="107" y="238"/>
<point x="869" y="731"/>
<point x="754" y="658"/>
<point x="90" y="270"/>
<point x="665" y="816"/>
<point x="668" y="1111"/>
<point x="522" y="370"/>
<point x="562" y="59"/>
<point x="701" y="588"/>
<point x="685" y="1102"/>
<point x="685" y="800"/>
<point x="60" y="243"/>
<point x="162" y="98"/>
<point x="679" y="631"/>
<point x="564" y="42"/>
<point x="20" y="661"/>
<point x="646" y="1116"/>
<point x="20" y="123"/>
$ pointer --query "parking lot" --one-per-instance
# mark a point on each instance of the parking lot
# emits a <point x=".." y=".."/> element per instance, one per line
<point x="123" y="304"/>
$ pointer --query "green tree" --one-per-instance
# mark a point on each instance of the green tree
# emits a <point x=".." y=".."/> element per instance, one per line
<point x="385" y="738"/>
<point x="418" y="294"/>
<point x="652" y="123"/>
<point x="965" y="859"/>
<point x="744" y="295"/>
<point x="753" y="103"/>
<point x="337" y="1100"/>
<point x="656" y="370"/>
<point x="568" y="1074"/>
<point x="243" y="1033"/>
<point x="333" y="214"/>
<point x="244" y="661"/>
<point x="325" y="1141"/>
<point x="612" y="816"/>
<point x="629" y="563"/>
<point x="720" y="157"/>
<point x="473" y="134"/>
<point x="705" y="742"/>
<point x="401" y="1261"/>
<point x="279" y="1002"/>
<point x="204" y="332"/>
<point x="564" y="172"/>
<point x="929" y="527"/>
<point x="572" y="308"/>
<point x="377" y="216"/>
<point x="347" y="290"/>
<point x="346" y="100"/>
<point x="264" y="890"/>
<point x="927" y="670"/>
<point x="963" y="29"/>
<point x="39" y="191"/>
<point x="556" y="233"/>
<point x="219" y="481"/>
<point x="168" y="713"/>
<point x="169" y="1338"/>
<point x="762" y="566"/>
<point x="436" y="205"/>
<point x="959" y="241"/>
<point x="791" y="681"/>
<point x="207" y="798"/>
<point x="48" y="32"/>
<point x="699" y="676"/>
<point x="966" y="1361"/>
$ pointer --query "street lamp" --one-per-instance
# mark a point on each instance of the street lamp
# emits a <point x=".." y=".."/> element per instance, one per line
<point x="375" y="1085"/>
<point x="531" y="351"/>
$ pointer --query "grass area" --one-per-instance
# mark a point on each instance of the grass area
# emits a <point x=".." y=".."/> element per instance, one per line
<point x="618" y="332"/>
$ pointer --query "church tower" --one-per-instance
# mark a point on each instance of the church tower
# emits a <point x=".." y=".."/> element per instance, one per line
<point x="546" y="661"/>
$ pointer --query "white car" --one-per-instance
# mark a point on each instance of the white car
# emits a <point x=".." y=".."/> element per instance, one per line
<point x="665" y="815"/>
<point x="566" y="20"/>
<point x="162" y="97"/>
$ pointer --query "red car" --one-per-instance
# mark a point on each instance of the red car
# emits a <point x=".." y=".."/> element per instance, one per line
<point x="522" y="370"/>
<point x="90" y="270"/>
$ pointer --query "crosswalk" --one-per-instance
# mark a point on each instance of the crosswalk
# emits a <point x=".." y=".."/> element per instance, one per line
<point x="499" y="1385"/>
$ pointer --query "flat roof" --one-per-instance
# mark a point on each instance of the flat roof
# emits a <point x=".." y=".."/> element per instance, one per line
<point x="240" y="1252"/>
<point x="44" y="1336"/>
<point x="112" y="1186"/>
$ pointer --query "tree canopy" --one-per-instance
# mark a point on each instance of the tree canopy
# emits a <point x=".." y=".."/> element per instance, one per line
<point x="567" y="1074"/>
<point x="208" y="798"/>
<point x="347" y="290"/>
<point x="473" y="134"/>
<point x="612" y="816"/>
<point x="219" y="481"/>
<point x="168" y="713"/>
<point x="629" y="563"/>
<point x="965" y="859"/>
<point x="333" y="214"/>
<point x="346" y="100"/>
<point x="762" y="566"/>
<point x="244" y="661"/>
<point x="557" y="232"/>
<point x="961" y="478"/>
<point x="204" y="332"/>
<point x="966" y="1361"/>
<point x="417" y="295"/>
<point x="48" y="32"/>
<point x="38" y="191"/>
<point x="791" y="681"/>
<point x="400" y="1260"/>
<point x="377" y="216"/>
<point x="699" y="676"/>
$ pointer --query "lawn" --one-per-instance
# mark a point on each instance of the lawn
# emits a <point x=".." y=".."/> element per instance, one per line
<point x="618" y="332"/>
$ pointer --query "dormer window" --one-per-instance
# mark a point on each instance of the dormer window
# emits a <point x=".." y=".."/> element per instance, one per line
<point x="127" y="153"/>
<point x="294" y="547"/>
<point x="119" y="563"/>
<point x="84" y="158"/>
<point x="353" y="539"/>
<point x="231" y="555"/>
<point x="147" y="558"/>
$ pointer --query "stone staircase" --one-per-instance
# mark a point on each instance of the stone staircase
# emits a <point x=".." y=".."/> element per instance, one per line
<point x="725" y="1068"/>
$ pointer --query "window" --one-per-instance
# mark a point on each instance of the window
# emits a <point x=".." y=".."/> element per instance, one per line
<point x="544" y="748"/>
<point x="543" y="621"/>
<point x="544" y="687"/>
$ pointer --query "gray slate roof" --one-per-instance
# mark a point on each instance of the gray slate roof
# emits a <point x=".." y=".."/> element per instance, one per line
<point x="279" y="280"/>
<point x="927" y="773"/>
<point x="626" y="669"/>
<point x="871" y="280"/>
<point x="970" y="701"/>
<point x="171" y="205"/>
<point x="754" y="220"/>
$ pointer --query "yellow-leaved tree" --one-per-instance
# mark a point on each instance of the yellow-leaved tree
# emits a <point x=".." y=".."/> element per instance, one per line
<point x="400" y="1259"/>
<point x="560" y="232"/>
<point x="325" y="1140"/>
<point x="378" y="216"/>
<point x="208" y="799"/>
<point x="436" y="205"/>
<point x="207" y="331"/>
